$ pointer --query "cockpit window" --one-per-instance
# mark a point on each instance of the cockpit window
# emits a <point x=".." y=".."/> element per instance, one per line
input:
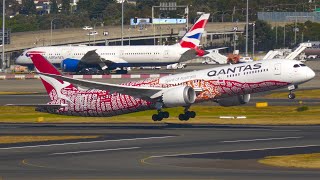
<point x="296" y="66"/>
<point x="302" y="65"/>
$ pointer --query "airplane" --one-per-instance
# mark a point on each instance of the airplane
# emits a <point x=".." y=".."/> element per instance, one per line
<point x="229" y="85"/>
<point x="77" y="58"/>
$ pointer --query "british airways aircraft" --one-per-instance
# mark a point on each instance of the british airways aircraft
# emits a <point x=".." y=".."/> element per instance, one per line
<point x="75" y="58"/>
<point x="227" y="85"/>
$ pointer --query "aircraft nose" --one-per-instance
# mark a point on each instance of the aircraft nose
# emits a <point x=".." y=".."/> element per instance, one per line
<point x="18" y="60"/>
<point x="310" y="74"/>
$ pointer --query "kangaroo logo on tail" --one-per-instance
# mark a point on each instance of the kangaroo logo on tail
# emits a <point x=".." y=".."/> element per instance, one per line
<point x="43" y="66"/>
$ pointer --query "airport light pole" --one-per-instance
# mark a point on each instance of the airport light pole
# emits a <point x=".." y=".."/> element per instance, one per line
<point x="122" y="22"/>
<point x="51" y="24"/>
<point x="94" y="30"/>
<point x="3" y="29"/>
<point x="247" y="27"/>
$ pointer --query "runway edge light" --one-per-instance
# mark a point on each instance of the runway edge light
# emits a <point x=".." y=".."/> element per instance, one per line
<point x="261" y="104"/>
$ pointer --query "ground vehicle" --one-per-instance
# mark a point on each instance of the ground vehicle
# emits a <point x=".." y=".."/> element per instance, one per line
<point x="92" y="33"/>
<point x="87" y="28"/>
<point x="245" y="59"/>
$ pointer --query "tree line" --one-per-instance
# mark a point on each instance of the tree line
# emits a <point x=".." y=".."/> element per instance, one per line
<point x="25" y="16"/>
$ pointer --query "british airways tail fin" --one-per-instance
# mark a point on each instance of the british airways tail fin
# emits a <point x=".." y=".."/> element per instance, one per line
<point x="192" y="38"/>
<point x="53" y="86"/>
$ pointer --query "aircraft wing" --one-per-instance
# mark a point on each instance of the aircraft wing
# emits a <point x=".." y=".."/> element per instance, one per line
<point x="145" y="93"/>
<point x="189" y="54"/>
<point x="91" y="57"/>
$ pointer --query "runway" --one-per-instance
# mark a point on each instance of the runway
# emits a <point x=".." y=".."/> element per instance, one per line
<point x="156" y="152"/>
<point x="44" y="98"/>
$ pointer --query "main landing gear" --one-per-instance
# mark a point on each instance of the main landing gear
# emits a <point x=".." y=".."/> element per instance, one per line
<point x="161" y="115"/>
<point x="291" y="88"/>
<point x="187" y="114"/>
<point x="164" y="114"/>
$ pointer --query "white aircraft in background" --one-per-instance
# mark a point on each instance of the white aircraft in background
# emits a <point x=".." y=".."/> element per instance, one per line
<point x="76" y="58"/>
<point x="229" y="85"/>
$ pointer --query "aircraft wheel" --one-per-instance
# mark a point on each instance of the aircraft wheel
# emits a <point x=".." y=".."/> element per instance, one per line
<point x="165" y="114"/>
<point x="291" y="96"/>
<point x="192" y="114"/>
<point x="155" y="117"/>
<point x="183" y="117"/>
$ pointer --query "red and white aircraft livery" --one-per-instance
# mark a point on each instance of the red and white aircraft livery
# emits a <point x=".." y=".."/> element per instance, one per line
<point x="228" y="85"/>
<point x="77" y="58"/>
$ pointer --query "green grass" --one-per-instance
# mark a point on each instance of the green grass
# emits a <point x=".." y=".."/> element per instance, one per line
<point x="272" y="115"/>
<point x="17" y="93"/>
<point x="301" y="94"/>
<point x="37" y="138"/>
<point x="297" y="161"/>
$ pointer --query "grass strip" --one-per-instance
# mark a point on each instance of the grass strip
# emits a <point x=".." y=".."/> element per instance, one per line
<point x="35" y="138"/>
<point x="295" y="161"/>
<point x="301" y="94"/>
<point x="17" y="93"/>
<point x="272" y="115"/>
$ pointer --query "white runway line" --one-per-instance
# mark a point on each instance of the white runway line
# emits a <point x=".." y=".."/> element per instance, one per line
<point x="265" y="139"/>
<point x="234" y="151"/>
<point x="97" y="150"/>
<point x="89" y="142"/>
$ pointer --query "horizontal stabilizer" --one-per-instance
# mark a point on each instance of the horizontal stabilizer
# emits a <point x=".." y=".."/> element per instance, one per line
<point x="139" y="92"/>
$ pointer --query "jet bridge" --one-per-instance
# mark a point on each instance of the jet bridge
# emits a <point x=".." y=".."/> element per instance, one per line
<point x="298" y="51"/>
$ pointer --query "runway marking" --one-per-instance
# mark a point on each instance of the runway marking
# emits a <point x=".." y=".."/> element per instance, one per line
<point x="242" y="150"/>
<point x="25" y="162"/>
<point x="90" y="142"/>
<point x="265" y="139"/>
<point x="97" y="150"/>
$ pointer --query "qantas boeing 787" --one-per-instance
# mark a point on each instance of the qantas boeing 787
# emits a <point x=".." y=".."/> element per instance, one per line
<point x="229" y="85"/>
<point x="76" y="58"/>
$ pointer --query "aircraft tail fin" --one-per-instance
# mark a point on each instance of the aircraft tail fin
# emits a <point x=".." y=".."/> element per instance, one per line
<point x="53" y="86"/>
<point x="192" y="38"/>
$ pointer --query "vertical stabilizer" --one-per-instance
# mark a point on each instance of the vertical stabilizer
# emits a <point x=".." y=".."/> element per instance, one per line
<point x="192" y="38"/>
<point x="53" y="86"/>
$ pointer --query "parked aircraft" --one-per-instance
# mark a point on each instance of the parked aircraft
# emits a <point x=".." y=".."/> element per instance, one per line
<point x="229" y="85"/>
<point x="76" y="58"/>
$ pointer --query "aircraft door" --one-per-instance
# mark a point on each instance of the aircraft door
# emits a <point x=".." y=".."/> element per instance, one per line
<point x="121" y="53"/>
<point x="166" y="54"/>
<point x="277" y="69"/>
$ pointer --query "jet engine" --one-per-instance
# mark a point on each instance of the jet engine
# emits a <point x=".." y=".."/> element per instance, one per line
<point x="179" y="96"/>
<point x="70" y="65"/>
<point x="234" y="101"/>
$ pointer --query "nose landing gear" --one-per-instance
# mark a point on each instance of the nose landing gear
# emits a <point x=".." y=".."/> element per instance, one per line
<point x="291" y="95"/>
<point x="291" y="88"/>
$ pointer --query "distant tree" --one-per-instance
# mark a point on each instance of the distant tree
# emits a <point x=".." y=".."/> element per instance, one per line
<point x="53" y="7"/>
<point x="28" y="7"/>
<point x="65" y="7"/>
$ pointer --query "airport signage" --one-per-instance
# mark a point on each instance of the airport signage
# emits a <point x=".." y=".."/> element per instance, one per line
<point x="148" y="21"/>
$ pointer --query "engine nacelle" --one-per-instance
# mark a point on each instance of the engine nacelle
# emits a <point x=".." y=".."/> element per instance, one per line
<point x="179" y="96"/>
<point x="235" y="100"/>
<point x="70" y="65"/>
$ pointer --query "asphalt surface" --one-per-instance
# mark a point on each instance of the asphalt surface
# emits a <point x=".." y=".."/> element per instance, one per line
<point x="44" y="98"/>
<point x="156" y="152"/>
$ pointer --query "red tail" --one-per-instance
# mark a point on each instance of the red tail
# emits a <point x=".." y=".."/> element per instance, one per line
<point x="44" y="66"/>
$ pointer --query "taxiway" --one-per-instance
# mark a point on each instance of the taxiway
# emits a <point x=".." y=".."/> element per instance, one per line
<point x="156" y="152"/>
